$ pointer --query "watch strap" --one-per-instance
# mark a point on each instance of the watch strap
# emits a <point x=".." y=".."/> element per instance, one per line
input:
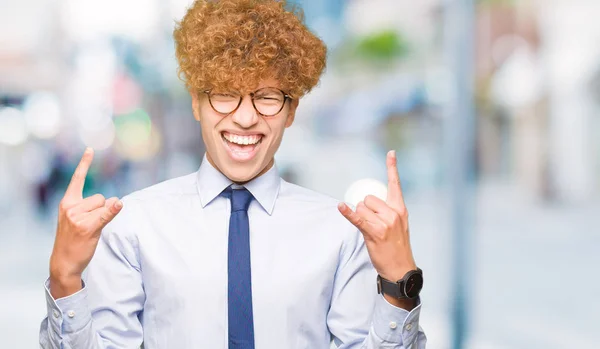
<point x="394" y="289"/>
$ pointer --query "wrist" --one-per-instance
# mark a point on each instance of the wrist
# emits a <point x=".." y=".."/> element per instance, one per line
<point x="62" y="269"/>
<point x="398" y="273"/>
<point x="63" y="281"/>
<point x="61" y="287"/>
<point x="406" y="304"/>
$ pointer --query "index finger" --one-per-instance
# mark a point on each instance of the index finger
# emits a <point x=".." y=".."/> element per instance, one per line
<point x="394" y="193"/>
<point x="75" y="188"/>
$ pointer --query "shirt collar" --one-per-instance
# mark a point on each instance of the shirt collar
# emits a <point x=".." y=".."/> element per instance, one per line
<point x="211" y="182"/>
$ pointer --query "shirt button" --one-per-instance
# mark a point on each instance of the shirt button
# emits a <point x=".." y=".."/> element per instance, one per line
<point x="393" y="325"/>
<point x="408" y="326"/>
<point x="56" y="314"/>
<point x="71" y="314"/>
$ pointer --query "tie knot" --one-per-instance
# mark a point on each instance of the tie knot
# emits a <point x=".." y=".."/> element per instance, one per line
<point x="240" y="198"/>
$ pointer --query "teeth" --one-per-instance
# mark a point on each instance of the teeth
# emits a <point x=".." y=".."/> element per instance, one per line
<point x="242" y="140"/>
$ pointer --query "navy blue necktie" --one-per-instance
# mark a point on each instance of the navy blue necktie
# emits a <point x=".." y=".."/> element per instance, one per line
<point x="239" y="290"/>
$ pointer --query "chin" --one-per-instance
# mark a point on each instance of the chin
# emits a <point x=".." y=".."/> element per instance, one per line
<point x="240" y="178"/>
<point x="239" y="171"/>
<point x="241" y="174"/>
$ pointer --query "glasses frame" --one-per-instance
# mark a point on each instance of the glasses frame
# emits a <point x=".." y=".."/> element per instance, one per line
<point x="285" y="98"/>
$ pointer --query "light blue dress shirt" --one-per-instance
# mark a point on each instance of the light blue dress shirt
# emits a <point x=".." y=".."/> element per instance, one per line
<point x="159" y="274"/>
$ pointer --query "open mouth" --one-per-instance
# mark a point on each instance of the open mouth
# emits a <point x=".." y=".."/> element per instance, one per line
<point x="241" y="147"/>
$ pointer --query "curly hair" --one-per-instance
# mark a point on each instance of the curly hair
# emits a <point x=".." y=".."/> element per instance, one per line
<point x="234" y="44"/>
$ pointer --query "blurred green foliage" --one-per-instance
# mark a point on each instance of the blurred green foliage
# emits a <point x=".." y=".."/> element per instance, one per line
<point x="383" y="45"/>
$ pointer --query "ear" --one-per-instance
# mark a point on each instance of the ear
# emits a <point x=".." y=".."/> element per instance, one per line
<point x="196" y="105"/>
<point x="292" y="112"/>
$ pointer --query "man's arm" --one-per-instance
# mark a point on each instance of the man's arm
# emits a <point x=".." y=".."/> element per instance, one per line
<point x="104" y="312"/>
<point x="361" y="318"/>
<point x="383" y="248"/>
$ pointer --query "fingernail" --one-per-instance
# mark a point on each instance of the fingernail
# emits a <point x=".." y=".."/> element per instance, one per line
<point x="118" y="204"/>
<point x="392" y="153"/>
<point x="88" y="150"/>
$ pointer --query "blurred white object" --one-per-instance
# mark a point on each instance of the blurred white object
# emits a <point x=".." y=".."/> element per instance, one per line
<point x="42" y="114"/>
<point x="88" y="19"/>
<point x="13" y="130"/>
<point x="178" y="8"/>
<point x="363" y="187"/>
<point x="100" y="138"/>
<point x="520" y="80"/>
<point x="571" y="32"/>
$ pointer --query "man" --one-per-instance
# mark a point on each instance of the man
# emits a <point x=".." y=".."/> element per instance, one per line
<point x="233" y="256"/>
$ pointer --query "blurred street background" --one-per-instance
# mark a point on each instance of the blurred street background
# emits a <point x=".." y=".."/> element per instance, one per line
<point x="516" y="129"/>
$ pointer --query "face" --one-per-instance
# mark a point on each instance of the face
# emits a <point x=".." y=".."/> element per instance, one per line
<point x="242" y="145"/>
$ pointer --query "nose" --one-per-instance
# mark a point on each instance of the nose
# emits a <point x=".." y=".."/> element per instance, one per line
<point x="245" y="116"/>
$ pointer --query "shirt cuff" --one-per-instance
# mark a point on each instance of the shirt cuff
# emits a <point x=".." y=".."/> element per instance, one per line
<point x="395" y="324"/>
<point x="69" y="314"/>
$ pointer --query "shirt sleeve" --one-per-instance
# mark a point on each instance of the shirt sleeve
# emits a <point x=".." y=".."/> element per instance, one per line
<point x="105" y="312"/>
<point x="65" y="315"/>
<point x="361" y="318"/>
<point x="391" y="322"/>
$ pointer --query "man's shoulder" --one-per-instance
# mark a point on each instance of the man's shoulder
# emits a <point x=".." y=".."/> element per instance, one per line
<point x="299" y="196"/>
<point x="302" y="195"/>
<point x="138" y="203"/>
<point x="178" y="186"/>
<point x="320" y="207"/>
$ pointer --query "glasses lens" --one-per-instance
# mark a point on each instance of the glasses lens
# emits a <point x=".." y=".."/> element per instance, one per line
<point x="224" y="103"/>
<point x="268" y="101"/>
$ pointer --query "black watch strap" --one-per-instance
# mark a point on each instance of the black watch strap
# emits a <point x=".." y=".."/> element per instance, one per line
<point x="396" y="289"/>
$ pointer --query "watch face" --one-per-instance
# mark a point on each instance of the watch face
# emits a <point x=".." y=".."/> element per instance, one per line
<point x="413" y="285"/>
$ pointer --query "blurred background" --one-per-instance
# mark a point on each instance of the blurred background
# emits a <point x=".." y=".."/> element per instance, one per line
<point x="492" y="106"/>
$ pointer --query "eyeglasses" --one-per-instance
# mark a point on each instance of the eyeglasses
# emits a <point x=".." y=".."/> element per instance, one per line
<point x="267" y="101"/>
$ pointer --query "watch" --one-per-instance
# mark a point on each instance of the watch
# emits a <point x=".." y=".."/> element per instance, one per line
<point x="408" y="287"/>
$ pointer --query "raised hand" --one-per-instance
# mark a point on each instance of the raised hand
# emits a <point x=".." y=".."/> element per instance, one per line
<point x="80" y="222"/>
<point x="384" y="226"/>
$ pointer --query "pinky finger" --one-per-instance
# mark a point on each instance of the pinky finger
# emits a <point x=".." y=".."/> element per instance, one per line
<point x="351" y="216"/>
<point x="102" y="216"/>
<point x="111" y="202"/>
